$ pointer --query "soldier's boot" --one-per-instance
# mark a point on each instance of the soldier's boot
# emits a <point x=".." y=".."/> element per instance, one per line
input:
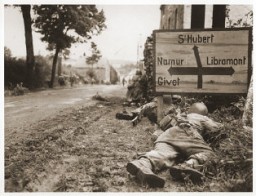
<point x="183" y="171"/>
<point x="142" y="169"/>
<point x="125" y="116"/>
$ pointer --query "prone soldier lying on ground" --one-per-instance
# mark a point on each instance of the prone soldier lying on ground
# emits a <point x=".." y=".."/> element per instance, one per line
<point x="135" y="115"/>
<point x="181" y="149"/>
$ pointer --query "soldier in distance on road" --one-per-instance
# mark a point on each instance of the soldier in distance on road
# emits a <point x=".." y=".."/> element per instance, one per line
<point x="181" y="149"/>
<point x="136" y="88"/>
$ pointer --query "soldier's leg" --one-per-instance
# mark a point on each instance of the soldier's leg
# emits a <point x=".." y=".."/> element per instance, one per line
<point x="161" y="157"/>
<point x="142" y="169"/>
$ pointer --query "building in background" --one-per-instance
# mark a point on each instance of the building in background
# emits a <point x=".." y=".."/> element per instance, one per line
<point x="103" y="70"/>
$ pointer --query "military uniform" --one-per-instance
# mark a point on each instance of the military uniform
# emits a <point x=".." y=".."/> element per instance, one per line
<point x="180" y="143"/>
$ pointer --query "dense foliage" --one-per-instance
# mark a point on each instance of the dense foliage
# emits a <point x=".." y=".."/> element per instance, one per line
<point x="15" y="70"/>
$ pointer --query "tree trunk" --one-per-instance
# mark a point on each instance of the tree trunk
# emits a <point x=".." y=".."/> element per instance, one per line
<point x="248" y="109"/>
<point x="60" y="63"/>
<point x="29" y="44"/>
<point x="54" y="64"/>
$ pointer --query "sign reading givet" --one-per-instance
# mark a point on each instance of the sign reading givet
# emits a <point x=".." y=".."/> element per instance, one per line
<point x="205" y="61"/>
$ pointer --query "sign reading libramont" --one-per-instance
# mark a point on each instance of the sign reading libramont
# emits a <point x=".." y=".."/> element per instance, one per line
<point x="205" y="61"/>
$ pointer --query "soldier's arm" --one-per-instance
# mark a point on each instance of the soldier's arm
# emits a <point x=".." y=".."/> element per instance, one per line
<point x="211" y="126"/>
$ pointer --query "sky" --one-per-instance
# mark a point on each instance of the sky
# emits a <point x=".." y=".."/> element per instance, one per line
<point x="128" y="26"/>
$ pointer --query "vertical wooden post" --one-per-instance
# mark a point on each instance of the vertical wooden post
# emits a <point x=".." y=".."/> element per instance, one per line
<point x="219" y="15"/>
<point x="197" y="16"/>
<point x="160" y="104"/>
<point x="199" y="65"/>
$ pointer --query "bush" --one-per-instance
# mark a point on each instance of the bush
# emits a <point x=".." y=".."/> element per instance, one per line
<point x="42" y="71"/>
<point x="15" y="71"/>
<point x="92" y="75"/>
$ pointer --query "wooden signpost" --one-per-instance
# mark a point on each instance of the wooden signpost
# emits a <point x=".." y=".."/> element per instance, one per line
<point x="209" y="61"/>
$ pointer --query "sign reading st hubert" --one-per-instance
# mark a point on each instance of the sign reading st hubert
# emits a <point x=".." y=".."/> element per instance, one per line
<point x="203" y="61"/>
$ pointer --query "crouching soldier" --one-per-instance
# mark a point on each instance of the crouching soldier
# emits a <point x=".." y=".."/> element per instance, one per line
<point x="181" y="149"/>
<point x="136" y="92"/>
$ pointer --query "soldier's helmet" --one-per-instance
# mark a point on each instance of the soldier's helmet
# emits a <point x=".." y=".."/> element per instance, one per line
<point x="199" y="108"/>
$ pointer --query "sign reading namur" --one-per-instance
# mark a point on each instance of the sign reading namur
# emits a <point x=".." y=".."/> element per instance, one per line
<point x="202" y="61"/>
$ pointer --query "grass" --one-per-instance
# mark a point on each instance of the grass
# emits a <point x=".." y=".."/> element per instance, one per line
<point x="87" y="149"/>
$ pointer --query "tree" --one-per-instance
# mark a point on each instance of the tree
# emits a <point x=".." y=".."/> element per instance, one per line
<point x="7" y="53"/>
<point x="245" y="21"/>
<point x="95" y="57"/>
<point x="63" y="25"/>
<point x="30" y="60"/>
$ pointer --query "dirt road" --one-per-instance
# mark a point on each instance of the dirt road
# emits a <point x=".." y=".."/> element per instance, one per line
<point x="22" y="111"/>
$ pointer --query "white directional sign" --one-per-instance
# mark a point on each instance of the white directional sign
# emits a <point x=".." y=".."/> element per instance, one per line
<point x="203" y="61"/>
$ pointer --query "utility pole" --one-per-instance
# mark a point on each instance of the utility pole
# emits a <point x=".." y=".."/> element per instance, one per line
<point x="138" y="51"/>
<point x="138" y="55"/>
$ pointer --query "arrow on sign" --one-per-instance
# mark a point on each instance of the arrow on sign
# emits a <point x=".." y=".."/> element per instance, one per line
<point x="200" y="70"/>
<point x="205" y="70"/>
